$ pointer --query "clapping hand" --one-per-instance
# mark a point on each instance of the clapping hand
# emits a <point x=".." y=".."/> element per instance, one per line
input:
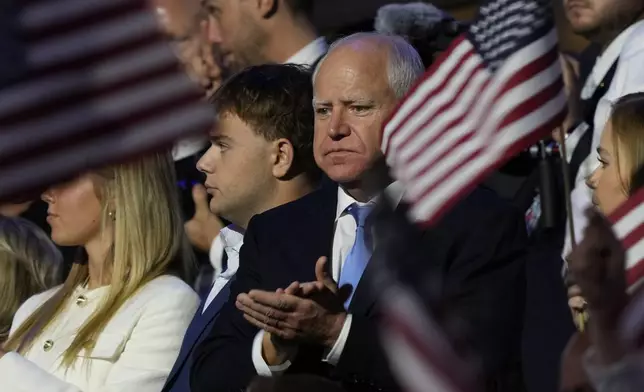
<point x="310" y="312"/>
<point x="598" y="266"/>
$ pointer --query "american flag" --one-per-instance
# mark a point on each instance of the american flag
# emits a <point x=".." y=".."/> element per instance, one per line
<point x="98" y="84"/>
<point x="494" y="92"/>
<point x="628" y="224"/>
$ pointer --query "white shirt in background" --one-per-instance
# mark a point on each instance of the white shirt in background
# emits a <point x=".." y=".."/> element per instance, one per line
<point x="628" y="79"/>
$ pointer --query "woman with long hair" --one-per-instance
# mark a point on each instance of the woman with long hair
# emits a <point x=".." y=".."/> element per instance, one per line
<point x="29" y="264"/>
<point x="598" y="262"/>
<point x="117" y="322"/>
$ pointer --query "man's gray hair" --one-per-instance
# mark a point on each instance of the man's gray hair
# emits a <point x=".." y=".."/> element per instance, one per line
<point x="404" y="63"/>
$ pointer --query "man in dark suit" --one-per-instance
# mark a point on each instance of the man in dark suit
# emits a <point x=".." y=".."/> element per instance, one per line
<point x="277" y="324"/>
<point x="260" y="158"/>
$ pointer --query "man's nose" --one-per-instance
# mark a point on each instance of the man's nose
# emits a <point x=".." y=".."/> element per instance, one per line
<point x="205" y="163"/>
<point x="213" y="32"/>
<point x="338" y="127"/>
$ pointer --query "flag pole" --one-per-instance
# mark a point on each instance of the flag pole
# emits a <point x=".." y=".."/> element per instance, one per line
<point x="580" y="316"/>
<point x="567" y="189"/>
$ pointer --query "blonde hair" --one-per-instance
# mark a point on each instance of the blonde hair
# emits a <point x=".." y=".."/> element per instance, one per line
<point x="627" y="121"/>
<point x="29" y="264"/>
<point x="141" y="207"/>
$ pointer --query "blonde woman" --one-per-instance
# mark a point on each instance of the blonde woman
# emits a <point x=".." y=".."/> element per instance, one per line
<point x="117" y="322"/>
<point x="598" y="262"/>
<point x="29" y="264"/>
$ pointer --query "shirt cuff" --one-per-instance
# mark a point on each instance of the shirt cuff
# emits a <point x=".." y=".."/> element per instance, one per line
<point x="262" y="368"/>
<point x="333" y="357"/>
<point x="20" y="374"/>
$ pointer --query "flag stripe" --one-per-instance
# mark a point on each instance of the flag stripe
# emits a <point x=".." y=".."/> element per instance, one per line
<point x="506" y="106"/>
<point x="101" y="114"/>
<point x="66" y="90"/>
<point x="459" y="51"/>
<point x="48" y="19"/>
<point x="453" y="84"/>
<point x="101" y="85"/>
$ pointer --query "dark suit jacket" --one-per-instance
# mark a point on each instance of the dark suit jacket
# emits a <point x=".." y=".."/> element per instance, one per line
<point x="179" y="378"/>
<point x="477" y="248"/>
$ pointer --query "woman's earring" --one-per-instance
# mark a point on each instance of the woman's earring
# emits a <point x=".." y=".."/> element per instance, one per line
<point x="112" y="215"/>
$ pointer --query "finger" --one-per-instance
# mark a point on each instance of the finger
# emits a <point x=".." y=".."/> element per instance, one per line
<point x="200" y="198"/>
<point x="293" y="289"/>
<point x="322" y="276"/>
<point x="265" y="314"/>
<point x="284" y="333"/>
<point x="285" y="302"/>
<point x="307" y="289"/>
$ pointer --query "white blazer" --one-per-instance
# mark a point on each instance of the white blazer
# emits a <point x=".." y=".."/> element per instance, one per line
<point x="135" y="352"/>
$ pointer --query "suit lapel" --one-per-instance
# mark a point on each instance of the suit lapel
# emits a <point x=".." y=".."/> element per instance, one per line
<point x="198" y="326"/>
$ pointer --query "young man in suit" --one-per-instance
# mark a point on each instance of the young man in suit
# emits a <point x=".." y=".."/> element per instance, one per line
<point x="272" y="327"/>
<point x="260" y="157"/>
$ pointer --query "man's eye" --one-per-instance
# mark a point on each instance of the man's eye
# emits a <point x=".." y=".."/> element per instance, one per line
<point x="360" y="109"/>
<point x="322" y="111"/>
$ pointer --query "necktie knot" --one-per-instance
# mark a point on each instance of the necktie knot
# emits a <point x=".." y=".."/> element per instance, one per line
<point x="359" y="213"/>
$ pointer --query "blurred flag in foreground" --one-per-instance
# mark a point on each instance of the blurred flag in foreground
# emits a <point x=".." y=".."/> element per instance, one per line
<point x="628" y="223"/>
<point x="494" y="92"/>
<point x="100" y="85"/>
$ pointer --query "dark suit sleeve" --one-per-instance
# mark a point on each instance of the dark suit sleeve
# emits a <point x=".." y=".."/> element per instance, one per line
<point x="363" y="361"/>
<point x="485" y="287"/>
<point x="223" y="361"/>
<point x="483" y="273"/>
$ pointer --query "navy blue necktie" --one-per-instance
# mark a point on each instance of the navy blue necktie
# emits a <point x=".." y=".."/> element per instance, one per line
<point x="360" y="253"/>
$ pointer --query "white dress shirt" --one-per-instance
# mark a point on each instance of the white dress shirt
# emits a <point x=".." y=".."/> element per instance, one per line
<point x="310" y="53"/>
<point x="135" y="351"/>
<point x="628" y="79"/>
<point x="230" y="241"/>
<point x="344" y="237"/>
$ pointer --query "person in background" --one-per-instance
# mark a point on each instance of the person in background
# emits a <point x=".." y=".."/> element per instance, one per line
<point x="29" y="264"/>
<point x="617" y="27"/>
<point x="478" y="247"/>
<point x="182" y="22"/>
<point x="260" y="157"/>
<point x="117" y="322"/>
<point x="598" y="263"/>
<point x="248" y="33"/>
<point x="259" y="32"/>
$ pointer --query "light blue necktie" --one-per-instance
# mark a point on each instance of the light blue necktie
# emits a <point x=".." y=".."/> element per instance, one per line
<point x="360" y="253"/>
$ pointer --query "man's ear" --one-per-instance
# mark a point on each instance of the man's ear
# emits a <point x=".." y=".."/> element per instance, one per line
<point x="283" y="157"/>
<point x="267" y="8"/>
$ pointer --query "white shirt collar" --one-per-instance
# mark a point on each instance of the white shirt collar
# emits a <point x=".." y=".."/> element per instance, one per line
<point x="605" y="61"/>
<point x="310" y="53"/>
<point x="395" y="191"/>
<point x="231" y="239"/>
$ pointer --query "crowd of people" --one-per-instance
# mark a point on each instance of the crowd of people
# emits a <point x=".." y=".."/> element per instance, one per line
<point x="241" y="260"/>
